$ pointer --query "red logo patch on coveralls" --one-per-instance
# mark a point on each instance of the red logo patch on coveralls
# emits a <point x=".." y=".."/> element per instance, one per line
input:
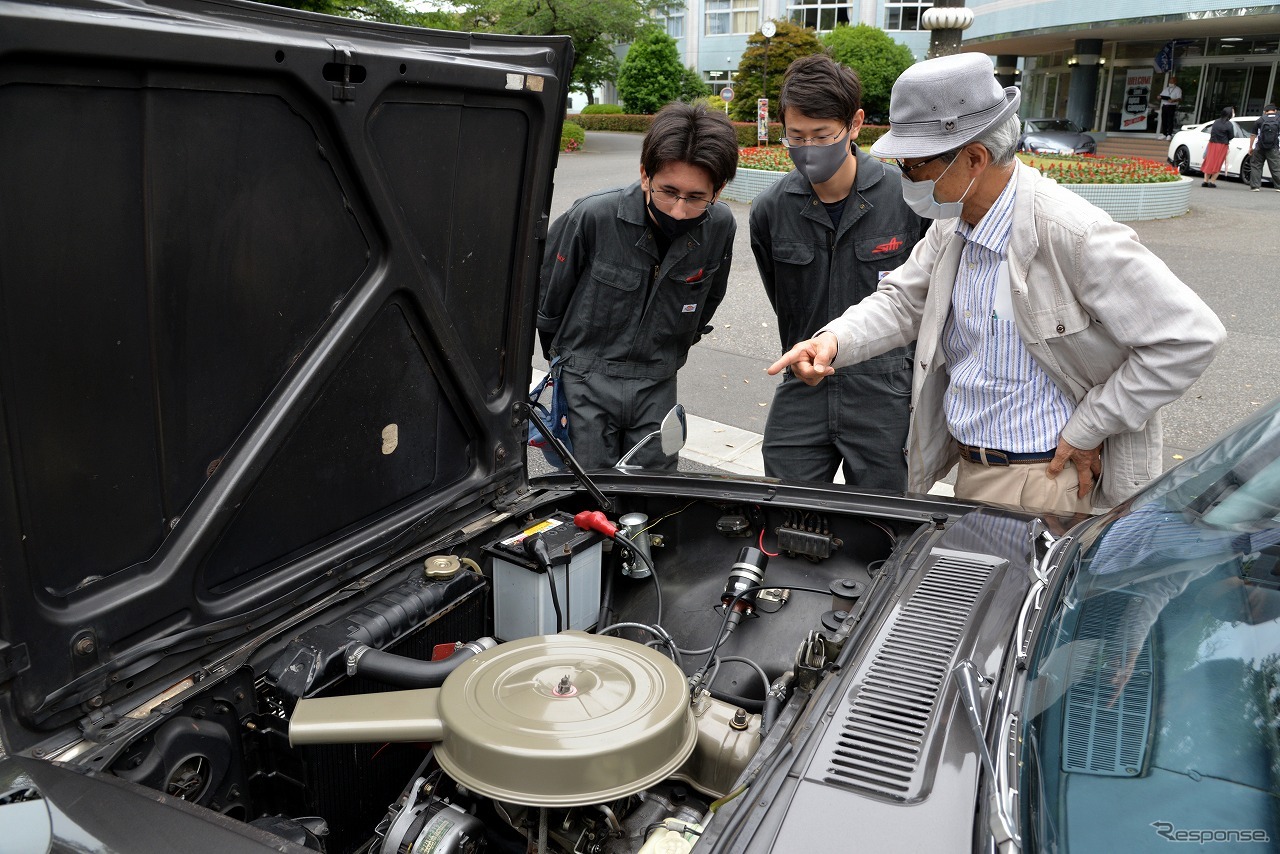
<point x="561" y="258"/>
<point x="688" y="309"/>
<point x="891" y="246"/>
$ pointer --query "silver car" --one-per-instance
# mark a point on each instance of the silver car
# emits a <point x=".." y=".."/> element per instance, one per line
<point x="1055" y="136"/>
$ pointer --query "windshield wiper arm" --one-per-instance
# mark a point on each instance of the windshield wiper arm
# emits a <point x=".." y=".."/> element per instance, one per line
<point x="967" y="680"/>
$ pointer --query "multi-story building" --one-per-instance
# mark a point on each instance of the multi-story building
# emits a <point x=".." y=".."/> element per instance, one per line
<point x="1093" y="60"/>
<point x="1081" y="58"/>
<point x="712" y="34"/>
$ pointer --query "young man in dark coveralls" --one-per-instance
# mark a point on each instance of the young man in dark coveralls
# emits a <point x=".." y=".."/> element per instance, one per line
<point x="823" y="237"/>
<point x="631" y="279"/>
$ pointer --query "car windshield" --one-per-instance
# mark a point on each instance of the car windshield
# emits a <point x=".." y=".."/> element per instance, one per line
<point x="1152" y="706"/>
<point x="1067" y="125"/>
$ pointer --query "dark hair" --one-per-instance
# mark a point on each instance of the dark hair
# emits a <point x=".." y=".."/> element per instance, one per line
<point x="682" y="133"/>
<point x="1228" y="112"/>
<point x="1268" y="108"/>
<point x="819" y="87"/>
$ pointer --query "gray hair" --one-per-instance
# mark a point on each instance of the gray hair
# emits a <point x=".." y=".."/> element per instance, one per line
<point x="1002" y="140"/>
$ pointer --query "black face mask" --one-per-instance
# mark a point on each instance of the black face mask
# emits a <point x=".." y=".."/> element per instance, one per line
<point x="669" y="225"/>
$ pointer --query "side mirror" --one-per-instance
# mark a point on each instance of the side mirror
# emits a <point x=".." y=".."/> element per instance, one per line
<point x="674" y="430"/>
<point x="671" y="435"/>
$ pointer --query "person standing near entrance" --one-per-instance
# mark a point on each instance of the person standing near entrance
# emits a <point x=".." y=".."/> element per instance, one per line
<point x="1264" y="145"/>
<point x="1221" y="132"/>
<point x="823" y="237"/>
<point x="630" y="279"/>
<point x="1170" y="97"/>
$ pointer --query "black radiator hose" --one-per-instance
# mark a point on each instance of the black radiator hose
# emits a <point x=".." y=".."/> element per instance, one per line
<point x="409" y="672"/>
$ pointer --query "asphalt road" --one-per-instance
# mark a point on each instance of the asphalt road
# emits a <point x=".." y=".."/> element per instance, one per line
<point x="1223" y="248"/>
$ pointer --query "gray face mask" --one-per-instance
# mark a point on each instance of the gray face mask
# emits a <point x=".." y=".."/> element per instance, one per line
<point x="819" y="162"/>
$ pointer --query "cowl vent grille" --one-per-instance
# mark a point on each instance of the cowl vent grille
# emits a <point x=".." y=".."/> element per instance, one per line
<point x="882" y="739"/>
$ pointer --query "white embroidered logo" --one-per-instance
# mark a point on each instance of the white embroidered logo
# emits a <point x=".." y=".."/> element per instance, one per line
<point x="689" y="308"/>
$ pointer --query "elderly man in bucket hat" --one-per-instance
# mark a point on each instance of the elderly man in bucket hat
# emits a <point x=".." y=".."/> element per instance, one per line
<point x="1048" y="337"/>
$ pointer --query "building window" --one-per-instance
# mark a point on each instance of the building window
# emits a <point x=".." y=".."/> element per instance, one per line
<point x="726" y="17"/>
<point x="820" y="15"/>
<point x="904" y="16"/>
<point x="675" y="24"/>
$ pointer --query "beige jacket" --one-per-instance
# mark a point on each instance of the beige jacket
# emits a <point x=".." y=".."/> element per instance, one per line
<point x="1108" y="321"/>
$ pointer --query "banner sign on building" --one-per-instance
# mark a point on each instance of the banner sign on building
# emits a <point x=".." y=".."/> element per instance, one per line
<point x="762" y="119"/>
<point x="1137" y="99"/>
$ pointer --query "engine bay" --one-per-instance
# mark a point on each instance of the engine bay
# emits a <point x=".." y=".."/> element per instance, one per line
<point x="552" y="683"/>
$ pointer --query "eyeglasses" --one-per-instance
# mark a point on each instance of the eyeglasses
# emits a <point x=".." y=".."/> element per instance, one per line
<point x="797" y="141"/>
<point x="907" y="170"/>
<point x="668" y="199"/>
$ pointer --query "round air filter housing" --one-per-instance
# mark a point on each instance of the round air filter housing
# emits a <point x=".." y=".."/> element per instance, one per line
<point x="565" y="720"/>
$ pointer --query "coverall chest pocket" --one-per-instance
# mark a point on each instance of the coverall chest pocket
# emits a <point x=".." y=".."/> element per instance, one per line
<point x="618" y="295"/>
<point x="795" y="272"/>
<point x="884" y="252"/>
<point x="686" y="291"/>
<point x="792" y="253"/>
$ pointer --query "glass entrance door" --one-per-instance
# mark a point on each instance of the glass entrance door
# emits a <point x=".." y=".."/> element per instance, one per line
<point x="1241" y="86"/>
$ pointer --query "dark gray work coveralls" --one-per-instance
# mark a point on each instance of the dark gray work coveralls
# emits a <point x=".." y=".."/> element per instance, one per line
<point x="812" y="271"/>
<point x="623" y="319"/>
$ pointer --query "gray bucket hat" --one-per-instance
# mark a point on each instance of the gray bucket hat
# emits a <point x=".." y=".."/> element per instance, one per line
<point x="940" y="104"/>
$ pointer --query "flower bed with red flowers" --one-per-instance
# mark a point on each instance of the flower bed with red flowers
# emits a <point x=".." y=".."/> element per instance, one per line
<point x="1063" y="168"/>
<point x="1088" y="169"/>
<point x="772" y="158"/>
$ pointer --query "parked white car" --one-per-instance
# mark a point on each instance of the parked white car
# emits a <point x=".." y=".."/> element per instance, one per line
<point x="1186" y="149"/>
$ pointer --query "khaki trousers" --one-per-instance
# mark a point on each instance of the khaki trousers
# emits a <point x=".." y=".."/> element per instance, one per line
<point x="1025" y="485"/>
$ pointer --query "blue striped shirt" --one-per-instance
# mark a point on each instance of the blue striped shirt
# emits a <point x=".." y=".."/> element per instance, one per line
<point x="998" y="397"/>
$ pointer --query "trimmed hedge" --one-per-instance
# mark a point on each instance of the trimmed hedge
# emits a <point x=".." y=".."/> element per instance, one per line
<point x="869" y="134"/>
<point x="572" y="137"/>
<point x="747" y="133"/>
<point x="616" y="122"/>
<point x="746" y="130"/>
<point x="601" y="109"/>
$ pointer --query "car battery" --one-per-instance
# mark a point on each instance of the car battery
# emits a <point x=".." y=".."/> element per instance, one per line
<point x="522" y="603"/>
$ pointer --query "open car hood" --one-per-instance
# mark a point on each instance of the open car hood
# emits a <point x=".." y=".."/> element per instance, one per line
<point x="267" y="283"/>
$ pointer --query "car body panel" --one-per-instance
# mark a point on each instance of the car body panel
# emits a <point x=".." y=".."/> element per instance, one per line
<point x="83" y="810"/>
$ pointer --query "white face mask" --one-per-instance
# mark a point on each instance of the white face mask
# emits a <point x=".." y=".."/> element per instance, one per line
<point x="919" y="197"/>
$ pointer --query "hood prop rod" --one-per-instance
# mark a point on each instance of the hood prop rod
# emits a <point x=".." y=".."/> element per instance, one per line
<point x="576" y="467"/>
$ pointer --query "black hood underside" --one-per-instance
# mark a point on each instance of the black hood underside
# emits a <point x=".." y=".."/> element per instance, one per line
<point x="266" y="295"/>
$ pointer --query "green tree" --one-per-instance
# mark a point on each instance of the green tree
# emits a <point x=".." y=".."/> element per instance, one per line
<point x="876" y="57"/>
<point x="692" y="86"/>
<point x="385" y="11"/>
<point x="594" y="25"/>
<point x="591" y="70"/>
<point x="787" y="45"/>
<point x="651" y="75"/>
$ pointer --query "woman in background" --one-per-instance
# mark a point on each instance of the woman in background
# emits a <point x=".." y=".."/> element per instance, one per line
<point x="1220" y="134"/>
